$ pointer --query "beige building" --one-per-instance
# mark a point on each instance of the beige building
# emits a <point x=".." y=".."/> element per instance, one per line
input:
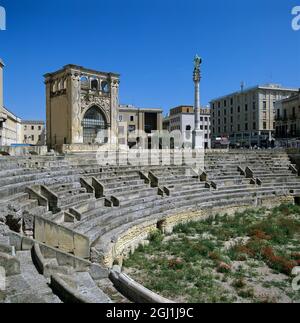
<point x="33" y="132"/>
<point x="247" y="117"/>
<point x="10" y="128"/>
<point x="138" y="119"/>
<point x="288" y="117"/>
<point x="182" y="118"/>
<point x="80" y="103"/>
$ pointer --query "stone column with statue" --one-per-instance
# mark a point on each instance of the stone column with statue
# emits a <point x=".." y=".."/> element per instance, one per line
<point x="198" y="137"/>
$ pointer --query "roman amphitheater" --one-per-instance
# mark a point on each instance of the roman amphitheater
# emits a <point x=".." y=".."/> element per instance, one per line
<point x="67" y="223"/>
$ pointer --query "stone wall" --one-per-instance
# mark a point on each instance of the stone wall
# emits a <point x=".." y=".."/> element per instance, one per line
<point x="57" y="236"/>
<point x="23" y="151"/>
<point x="128" y="240"/>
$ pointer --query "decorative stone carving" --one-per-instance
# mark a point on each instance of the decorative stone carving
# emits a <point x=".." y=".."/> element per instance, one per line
<point x="76" y="106"/>
<point x="115" y="83"/>
<point x="88" y="99"/>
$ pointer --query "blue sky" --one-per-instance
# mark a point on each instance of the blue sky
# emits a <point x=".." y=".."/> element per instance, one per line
<point x="151" y="43"/>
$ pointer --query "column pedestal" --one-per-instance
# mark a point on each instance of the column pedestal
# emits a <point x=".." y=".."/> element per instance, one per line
<point x="198" y="139"/>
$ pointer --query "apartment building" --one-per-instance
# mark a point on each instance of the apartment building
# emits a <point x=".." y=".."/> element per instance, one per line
<point x="247" y="117"/>
<point x="182" y="118"/>
<point x="33" y="132"/>
<point x="288" y="117"/>
<point x="133" y="119"/>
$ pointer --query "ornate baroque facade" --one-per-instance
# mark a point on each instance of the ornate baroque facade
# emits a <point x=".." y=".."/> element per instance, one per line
<point x="80" y="103"/>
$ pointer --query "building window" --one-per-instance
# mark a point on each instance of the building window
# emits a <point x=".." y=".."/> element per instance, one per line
<point x="264" y="105"/>
<point x="246" y="126"/>
<point x="188" y="128"/>
<point x="246" y="107"/>
<point x="104" y="87"/>
<point x="239" y="109"/>
<point x="120" y="118"/>
<point x="32" y="127"/>
<point x="131" y="118"/>
<point x="239" y="127"/>
<point x="254" y="125"/>
<point x="84" y="82"/>
<point x="93" y="123"/>
<point x="32" y="137"/>
<point x="25" y="127"/>
<point x="40" y="128"/>
<point x="225" y="103"/>
<point x="231" y="101"/>
<point x="94" y="85"/>
<point x="264" y="125"/>
<point x="254" y="105"/>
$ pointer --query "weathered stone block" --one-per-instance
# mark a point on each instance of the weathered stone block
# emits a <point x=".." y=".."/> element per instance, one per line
<point x="39" y="229"/>
<point x="27" y="243"/>
<point x="66" y="240"/>
<point x="51" y="234"/>
<point x="81" y="246"/>
<point x="10" y="264"/>
<point x="97" y="272"/>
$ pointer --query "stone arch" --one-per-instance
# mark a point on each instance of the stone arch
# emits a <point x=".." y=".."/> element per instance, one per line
<point x="84" y="81"/>
<point x="94" y="85"/>
<point x="64" y="83"/>
<point x="60" y="85"/>
<point x="94" y="120"/>
<point x="54" y="86"/>
<point x="105" y="86"/>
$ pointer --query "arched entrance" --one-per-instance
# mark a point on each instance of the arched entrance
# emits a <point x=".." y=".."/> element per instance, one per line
<point x="93" y="122"/>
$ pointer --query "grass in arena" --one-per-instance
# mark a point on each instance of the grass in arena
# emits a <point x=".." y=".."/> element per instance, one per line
<point x="247" y="257"/>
